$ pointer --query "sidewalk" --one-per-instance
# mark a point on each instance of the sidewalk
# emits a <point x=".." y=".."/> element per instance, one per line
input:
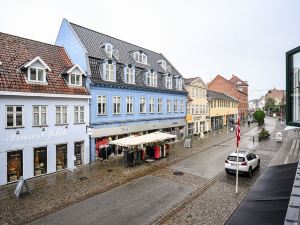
<point x="59" y="190"/>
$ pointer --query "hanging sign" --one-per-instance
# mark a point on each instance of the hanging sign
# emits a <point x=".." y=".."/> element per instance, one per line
<point x="21" y="183"/>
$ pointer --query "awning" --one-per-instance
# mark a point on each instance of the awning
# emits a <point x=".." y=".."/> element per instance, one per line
<point x="143" y="139"/>
<point x="291" y="128"/>
<point x="267" y="202"/>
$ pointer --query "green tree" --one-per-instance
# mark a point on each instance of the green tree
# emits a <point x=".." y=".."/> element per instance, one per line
<point x="270" y="106"/>
<point x="259" y="116"/>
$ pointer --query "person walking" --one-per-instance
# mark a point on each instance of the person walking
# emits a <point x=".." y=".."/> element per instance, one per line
<point x="249" y="121"/>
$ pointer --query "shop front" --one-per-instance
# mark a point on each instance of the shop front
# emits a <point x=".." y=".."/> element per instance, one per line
<point x="40" y="161"/>
<point x="14" y="165"/>
<point x="79" y="153"/>
<point x="216" y="122"/>
<point x="61" y="156"/>
<point x="196" y="124"/>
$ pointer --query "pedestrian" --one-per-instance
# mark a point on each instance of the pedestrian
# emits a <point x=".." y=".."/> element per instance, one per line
<point x="249" y="121"/>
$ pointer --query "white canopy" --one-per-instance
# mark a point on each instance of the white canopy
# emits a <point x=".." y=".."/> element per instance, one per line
<point x="138" y="140"/>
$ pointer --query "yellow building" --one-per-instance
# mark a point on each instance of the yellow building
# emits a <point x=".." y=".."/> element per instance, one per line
<point x="197" y="106"/>
<point x="223" y="109"/>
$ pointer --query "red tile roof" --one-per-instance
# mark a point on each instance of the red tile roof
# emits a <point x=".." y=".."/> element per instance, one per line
<point x="15" y="51"/>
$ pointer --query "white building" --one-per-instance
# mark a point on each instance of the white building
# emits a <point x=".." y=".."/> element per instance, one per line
<point x="45" y="110"/>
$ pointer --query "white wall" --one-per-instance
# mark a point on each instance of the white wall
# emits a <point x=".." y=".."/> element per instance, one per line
<point x="30" y="137"/>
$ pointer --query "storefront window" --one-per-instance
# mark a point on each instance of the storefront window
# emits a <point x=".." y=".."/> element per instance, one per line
<point x="61" y="156"/>
<point x="14" y="165"/>
<point x="78" y="151"/>
<point x="40" y="161"/>
<point x="296" y="88"/>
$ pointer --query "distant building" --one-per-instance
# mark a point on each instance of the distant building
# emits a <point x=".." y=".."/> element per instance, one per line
<point x="223" y="109"/>
<point x="261" y="102"/>
<point x="277" y="95"/>
<point x="233" y="87"/>
<point x="197" y="106"/>
<point x="253" y="104"/>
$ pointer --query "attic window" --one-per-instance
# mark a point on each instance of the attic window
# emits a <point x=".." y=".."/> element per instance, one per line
<point x="140" y="57"/>
<point x="179" y="83"/>
<point x="109" y="50"/>
<point x="163" y="64"/>
<point x="75" y="79"/>
<point x="169" y="81"/>
<point x="36" y="75"/>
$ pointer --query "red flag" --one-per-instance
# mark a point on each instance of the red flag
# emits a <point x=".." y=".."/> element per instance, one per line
<point x="238" y="133"/>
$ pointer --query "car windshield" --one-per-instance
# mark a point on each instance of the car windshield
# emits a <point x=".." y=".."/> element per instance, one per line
<point x="233" y="158"/>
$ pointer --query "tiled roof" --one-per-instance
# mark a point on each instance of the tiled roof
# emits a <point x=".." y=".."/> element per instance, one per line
<point x="218" y="95"/>
<point x="237" y="81"/>
<point x="16" y="51"/>
<point x="275" y="93"/>
<point x="93" y="42"/>
<point x="190" y="80"/>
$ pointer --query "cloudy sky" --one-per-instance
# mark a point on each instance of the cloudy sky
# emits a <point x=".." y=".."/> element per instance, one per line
<point x="204" y="38"/>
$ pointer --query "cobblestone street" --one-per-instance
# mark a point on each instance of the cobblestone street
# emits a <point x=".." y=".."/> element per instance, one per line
<point x="56" y="191"/>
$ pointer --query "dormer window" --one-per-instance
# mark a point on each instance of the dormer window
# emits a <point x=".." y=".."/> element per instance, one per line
<point x="75" y="79"/>
<point x="74" y="74"/>
<point x="109" y="50"/>
<point x="36" y="70"/>
<point x="163" y="64"/>
<point x="169" y="81"/>
<point x="129" y="74"/>
<point x="179" y="83"/>
<point x="109" y="71"/>
<point x="140" y="57"/>
<point x="151" y="78"/>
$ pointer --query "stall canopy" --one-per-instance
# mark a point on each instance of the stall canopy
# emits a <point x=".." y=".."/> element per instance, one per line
<point x="143" y="139"/>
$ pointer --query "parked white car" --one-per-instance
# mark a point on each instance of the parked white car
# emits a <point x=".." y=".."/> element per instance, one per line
<point x="247" y="162"/>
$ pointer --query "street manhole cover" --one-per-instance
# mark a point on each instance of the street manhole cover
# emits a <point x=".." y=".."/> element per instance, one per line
<point x="82" y="178"/>
<point x="110" y="170"/>
<point x="178" y="173"/>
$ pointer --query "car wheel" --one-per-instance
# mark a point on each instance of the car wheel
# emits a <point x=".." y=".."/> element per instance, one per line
<point x="258" y="164"/>
<point x="250" y="171"/>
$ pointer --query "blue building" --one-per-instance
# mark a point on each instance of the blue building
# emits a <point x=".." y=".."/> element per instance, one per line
<point x="134" y="90"/>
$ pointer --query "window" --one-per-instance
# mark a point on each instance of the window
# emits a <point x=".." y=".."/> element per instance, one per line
<point x="14" y="165"/>
<point x="40" y="161"/>
<point x="61" y="157"/>
<point x="109" y="50"/>
<point x="39" y="115"/>
<point x="36" y="75"/>
<point x="151" y="79"/>
<point x="129" y="105"/>
<point x="109" y="73"/>
<point x="196" y="109"/>
<point x="168" y="105"/>
<point x="194" y="92"/>
<point x="193" y="109"/>
<point x="151" y="105"/>
<point x="75" y="79"/>
<point x="140" y="57"/>
<point x="169" y="81"/>
<point x="129" y="76"/>
<point x="14" y="116"/>
<point x="163" y="64"/>
<point x="142" y="105"/>
<point x="116" y="105"/>
<point x="179" y="83"/>
<point x="175" y="105"/>
<point x="78" y="114"/>
<point x="159" y="105"/>
<point x="102" y="105"/>
<point x="61" y="115"/>
<point x="181" y="106"/>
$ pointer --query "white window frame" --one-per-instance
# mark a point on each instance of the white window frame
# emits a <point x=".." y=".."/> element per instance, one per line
<point x="151" y="105"/>
<point x="179" y="83"/>
<point x="142" y="102"/>
<point x="61" y="114"/>
<point x="39" y="113"/>
<point x="109" y="71"/>
<point x="140" y="57"/>
<point x="169" y="109"/>
<point x="169" y="81"/>
<point x="14" y="113"/>
<point x="116" y="104"/>
<point x="175" y="105"/>
<point x="159" y="105"/>
<point x="129" y="75"/>
<point x="181" y="105"/>
<point x="109" y="48"/>
<point x="80" y="109"/>
<point x="36" y="74"/>
<point x="102" y="100"/>
<point x="151" y="79"/>
<point x="129" y="105"/>
<point x="78" y="77"/>
<point x="163" y="64"/>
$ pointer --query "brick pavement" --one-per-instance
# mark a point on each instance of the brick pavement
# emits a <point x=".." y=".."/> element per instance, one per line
<point x="218" y="201"/>
<point x="53" y="192"/>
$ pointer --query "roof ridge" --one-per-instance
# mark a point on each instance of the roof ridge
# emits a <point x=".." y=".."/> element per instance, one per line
<point x="24" y="38"/>
<point x="114" y="37"/>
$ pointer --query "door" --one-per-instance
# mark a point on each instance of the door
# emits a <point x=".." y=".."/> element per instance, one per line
<point x="40" y="161"/>
<point x="61" y="157"/>
<point x="78" y="152"/>
<point x="14" y="165"/>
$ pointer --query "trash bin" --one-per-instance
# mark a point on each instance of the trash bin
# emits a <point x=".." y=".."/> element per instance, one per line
<point x="231" y="128"/>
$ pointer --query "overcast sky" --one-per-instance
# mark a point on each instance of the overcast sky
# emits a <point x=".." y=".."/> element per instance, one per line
<point x="203" y="38"/>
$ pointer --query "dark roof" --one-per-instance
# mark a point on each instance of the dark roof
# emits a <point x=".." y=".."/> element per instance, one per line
<point x="190" y="80"/>
<point x="93" y="42"/>
<point x="16" y="51"/>
<point x="218" y="95"/>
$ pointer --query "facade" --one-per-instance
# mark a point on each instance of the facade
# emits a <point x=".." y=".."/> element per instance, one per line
<point x="277" y="95"/>
<point x="293" y="87"/>
<point x="261" y="102"/>
<point x="134" y="90"/>
<point x="197" y="106"/>
<point x="253" y="104"/>
<point x="45" y="110"/>
<point x="234" y="87"/>
<point x="223" y="110"/>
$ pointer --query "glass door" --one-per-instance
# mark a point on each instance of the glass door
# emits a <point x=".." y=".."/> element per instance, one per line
<point x="40" y="161"/>
<point x="61" y="156"/>
<point x="14" y="165"/>
<point x="78" y="152"/>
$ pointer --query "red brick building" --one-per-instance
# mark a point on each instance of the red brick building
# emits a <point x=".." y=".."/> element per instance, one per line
<point x="234" y="87"/>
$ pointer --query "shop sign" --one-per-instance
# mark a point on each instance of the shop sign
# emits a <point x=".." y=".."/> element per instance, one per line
<point x="197" y="118"/>
<point x="90" y="131"/>
<point x="22" y="182"/>
<point x="188" y="143"/>
<point x="189" y="118"/>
